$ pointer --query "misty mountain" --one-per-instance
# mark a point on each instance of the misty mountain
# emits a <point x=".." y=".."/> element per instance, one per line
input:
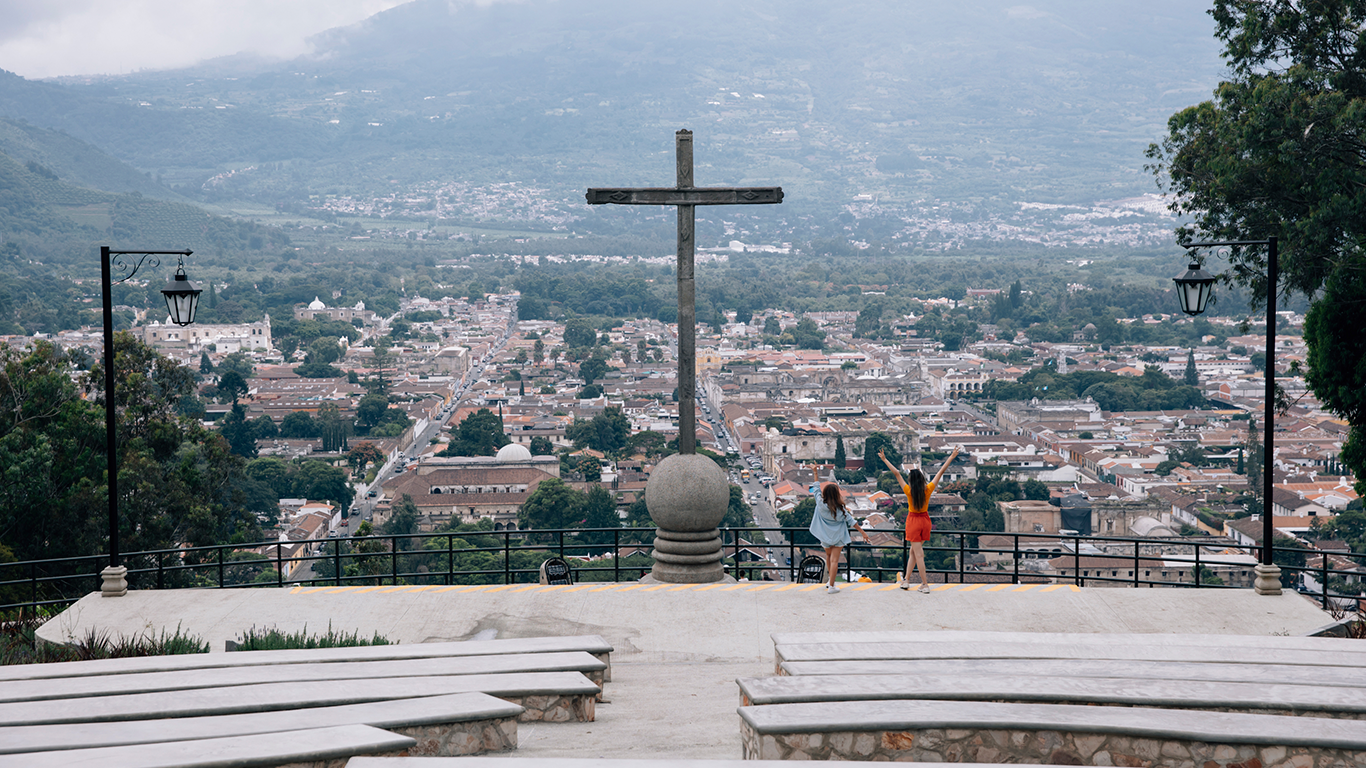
<point x="984" y="105"/>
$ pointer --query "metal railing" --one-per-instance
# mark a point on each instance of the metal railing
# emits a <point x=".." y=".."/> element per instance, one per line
<point x="616" y="554"/>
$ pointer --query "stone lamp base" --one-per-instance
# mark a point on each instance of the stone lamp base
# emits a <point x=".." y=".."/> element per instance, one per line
<point x="687" y="497"/>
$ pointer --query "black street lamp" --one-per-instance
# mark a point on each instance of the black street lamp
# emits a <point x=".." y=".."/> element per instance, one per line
<point x="182" y="298"/>
<point x="1194" y="287"/>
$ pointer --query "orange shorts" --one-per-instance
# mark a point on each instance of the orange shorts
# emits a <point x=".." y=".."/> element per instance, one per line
<point x="918" y="528"/>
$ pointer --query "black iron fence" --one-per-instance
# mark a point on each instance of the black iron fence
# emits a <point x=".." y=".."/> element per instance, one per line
<point x="617" y="554"/>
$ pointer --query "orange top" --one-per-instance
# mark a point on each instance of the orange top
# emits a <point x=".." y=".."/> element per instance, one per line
<point x="929" y="491"/>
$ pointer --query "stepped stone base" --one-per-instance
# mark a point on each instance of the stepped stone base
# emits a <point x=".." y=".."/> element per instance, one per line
<point x="1047" y="747"/>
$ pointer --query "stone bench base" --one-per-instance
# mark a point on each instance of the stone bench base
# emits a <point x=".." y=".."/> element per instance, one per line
<point x="456" y="739"/>
<point x="556" y="708"/>
<point x="1055" y="747"/>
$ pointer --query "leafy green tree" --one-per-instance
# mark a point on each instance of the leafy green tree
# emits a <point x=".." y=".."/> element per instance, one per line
<point x="739" y="514"/>
<point x="205" y="364"/>
<point x="232" y="384"/>
<point x="554" y="504"/>
<point x="240" y="362"/>
<point x="877" y="441"/>
<point x="541" y="446"/>
<point x="1277" y="152"/>
<point x="590" y="469"/>
<point x="364" y="453"/>
<point x="403" y="521"/>
<point x="239" y="432"/>
<point x="538" y="351"/>
<point x="868" y="321"/>
<point x="607" y="432"/>
<point x="840" y="458"/>
<point x="315" y="370"/>
<point x="333" y="428"/>
<point x="807" y="335"/>
<point x="647" y="442"/>
<point x="600" y="511"/>
<point x="265" y="427"/>
<point x="479" y="434"/>
<point x="772" y="327"/>
<point x="592" y="369"/>
<point x="1035" y="490"/>
<point x="579" y="333"/>
<point x="298" y="425"/>
<point x="272" y="472"/>
<point x="321" y="481"/>
<point x="370" y="410"/>
<point x="1191" y="378"/>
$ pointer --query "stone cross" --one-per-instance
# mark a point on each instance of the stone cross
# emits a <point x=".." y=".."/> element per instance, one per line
<point x="686" y="197"/>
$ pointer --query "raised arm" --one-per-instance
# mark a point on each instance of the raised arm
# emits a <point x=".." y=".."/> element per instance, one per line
<point x="899" y="479"/>
<point x="947" y="462"/>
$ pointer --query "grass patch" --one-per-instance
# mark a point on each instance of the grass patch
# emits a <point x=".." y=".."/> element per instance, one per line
<point x="19" y="644"/>
<point x="273" y="639"/>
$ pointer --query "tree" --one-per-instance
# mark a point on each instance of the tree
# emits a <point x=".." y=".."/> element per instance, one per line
<point x="606" y="432"/>
<point x="272" y="472"/>
<point x="877" y="441"/>
<point x="370" y="410"/>
<point x="319" y="480"/>
<point x="646" y="442"/>
<point x="541" y="446"/>
<point x="869" y="320"/>
<point x="1190" y="378"/>
<point x="364" y="453"/>
<point x="1278" y="152"/>
<point x="739" y="514"/>
<point x="264" y="427"/>
<point x="239" y="433"/>
<point x="590" y="469"/>
<point x="579" y="333"/>
<point x="840" y="458"/>
<point x="239" y="362"/>
<point x="538" y="351"/>
<point x="807" y="335"/>
<point x="298" y="425"/>
<point x="1035" y="490"/>
<point x="333" y="428"/>
<point x="479" y="434"/>
<point x="554" y="504"/>
<point x="772" y="327"/>
<point x="205" y="364"/>
<point x="592" y="369"/>
<point x="403" y="521"/>
<point x="233" y="385"/>
<point x="600" y="511"/>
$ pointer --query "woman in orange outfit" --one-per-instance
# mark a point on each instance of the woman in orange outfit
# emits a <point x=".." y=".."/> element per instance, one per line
<point x="918" y="527"/>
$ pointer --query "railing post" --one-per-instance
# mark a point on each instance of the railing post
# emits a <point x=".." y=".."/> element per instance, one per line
<point x="962" y="558"/>
<point x="450" y="560"/>
<point x="336" y="561"/>
<point x="1017" y="555"/>
<point x="736" y="533"/>
<point x="33" y="580"/>
<point x="1197" y="564"/>
<point x="507" y="558"/>
<point x="393" y="560"/>
<point x="279" y="566"/>
<point x="616" y="554"/>
<point x="1323" y="560"/>
<point x="1135" y="564"/>
<point x="220" y="567"/>
<point x="1076" y="561"/>
<point x="161" y="572"/>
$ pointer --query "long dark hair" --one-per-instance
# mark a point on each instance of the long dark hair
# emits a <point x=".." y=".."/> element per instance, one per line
<point x="915" y="480"/>
<point x="833" y="499"/>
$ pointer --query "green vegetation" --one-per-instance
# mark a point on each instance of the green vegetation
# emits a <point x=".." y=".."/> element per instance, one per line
<point x="275" y="639"/>
<point x="1152" y="391"/>
<point x="19" y="644"/>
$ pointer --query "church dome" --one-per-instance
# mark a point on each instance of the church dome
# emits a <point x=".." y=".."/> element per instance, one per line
<point x="317" y="303"/>
<point x="513" y="452"/>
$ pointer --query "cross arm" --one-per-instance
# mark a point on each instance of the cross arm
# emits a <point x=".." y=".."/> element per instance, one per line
<point x="686" y="196"/>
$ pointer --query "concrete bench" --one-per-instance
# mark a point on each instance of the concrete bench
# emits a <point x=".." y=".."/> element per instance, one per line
<point x="458" y="724"/>
<point x="1336" y="702"/>
<point x="147" y="682"/>
<point x="939" y="730"/>
<point x="555" y="696"/>
<point x="323" y="748"/>
<point x="603" y="763"/>
<point x="1267" y="674"/>
<point x="591" y="644"/>
<point x="1117" y="650"/>
<point x="1148" y="640"/>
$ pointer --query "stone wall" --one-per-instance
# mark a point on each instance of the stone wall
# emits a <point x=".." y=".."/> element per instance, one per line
<point x="1025" y="746"/>
<point x="556" y="708"/>
<point x="454" y="739"/>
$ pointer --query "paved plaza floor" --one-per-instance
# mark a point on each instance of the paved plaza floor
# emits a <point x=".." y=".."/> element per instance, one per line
<point x="679" y="648"/>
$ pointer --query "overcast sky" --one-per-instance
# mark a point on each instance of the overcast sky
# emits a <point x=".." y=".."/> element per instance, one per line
<point x="48" y="38"/>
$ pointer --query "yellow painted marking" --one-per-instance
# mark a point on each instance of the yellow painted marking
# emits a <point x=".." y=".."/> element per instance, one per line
<point x="608" y="587"/>
<point x="363" y="590"/>
<point x="682" y="587"/>
<point x="786" y="587"/>
<point x="1000" y="587"/>
<point x="528" y="589"/>
<point x="1024" y="588"/>
<point x="295" y="590"/>
<point x="399" y="588"/>
<point x="945" y="587"/>
<point x="814" y="586"/>
<point x="760" y="588"/>
<point x="887" y="587"/>
<point x="861" y="587"/>
<point x="1052" y="587"/>
<point x="579" y="587"/>
<point x="502" y="587"/>
<point x="656" y="589"/>
<point x="454" y="586"/>
<point x="1074" y="587"/>
<point x="734" y="587"/>
<point x="969" y="587"/>
<point x="709" y="586"/>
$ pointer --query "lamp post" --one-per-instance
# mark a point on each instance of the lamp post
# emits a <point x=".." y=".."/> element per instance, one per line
<point x="1194" y="288"/>
<point x="182" y="298"/>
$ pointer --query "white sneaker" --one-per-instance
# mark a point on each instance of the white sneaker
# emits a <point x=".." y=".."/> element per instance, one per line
<point x="832" y="589"/>
<point x="925" y="588"/>
<point x="903" y="584"/>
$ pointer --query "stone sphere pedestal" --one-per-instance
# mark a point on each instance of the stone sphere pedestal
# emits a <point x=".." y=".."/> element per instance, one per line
<point x="687" y="497"/>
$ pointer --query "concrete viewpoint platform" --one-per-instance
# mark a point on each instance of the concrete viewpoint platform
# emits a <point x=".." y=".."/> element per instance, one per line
<point x="678" y="648"/>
